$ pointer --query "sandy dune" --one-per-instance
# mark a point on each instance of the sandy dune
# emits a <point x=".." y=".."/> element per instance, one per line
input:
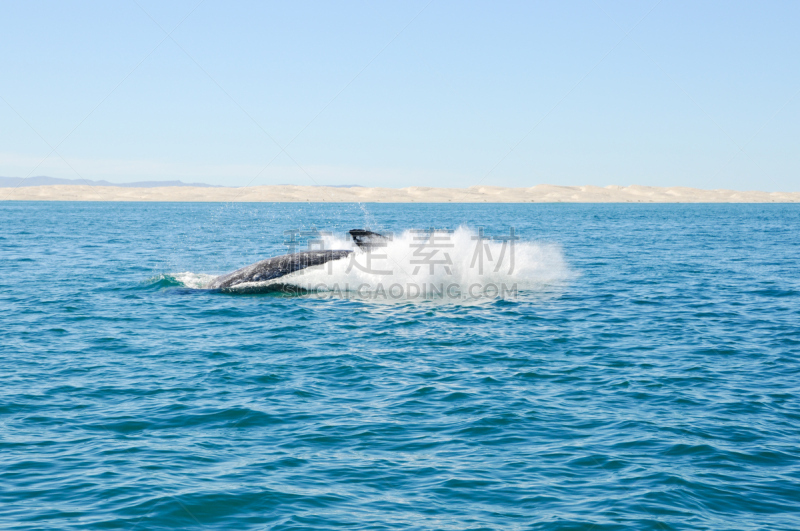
<point x="542" y="193"/>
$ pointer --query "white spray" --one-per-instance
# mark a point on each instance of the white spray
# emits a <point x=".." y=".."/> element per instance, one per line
<point x="436" y="264"/>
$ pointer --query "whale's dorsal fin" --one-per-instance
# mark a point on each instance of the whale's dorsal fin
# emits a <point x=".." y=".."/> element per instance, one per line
<point x="367" y="239"/>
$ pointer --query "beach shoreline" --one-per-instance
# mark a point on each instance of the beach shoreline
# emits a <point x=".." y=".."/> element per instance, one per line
<point x="542" y="193"/>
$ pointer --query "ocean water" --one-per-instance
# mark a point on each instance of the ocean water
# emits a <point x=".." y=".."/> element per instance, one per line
<point x="640" y="372"/>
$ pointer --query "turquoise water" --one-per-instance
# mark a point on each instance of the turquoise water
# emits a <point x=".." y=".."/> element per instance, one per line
<point x="644" y="376"/>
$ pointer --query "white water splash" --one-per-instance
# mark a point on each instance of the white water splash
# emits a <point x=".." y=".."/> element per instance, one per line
<point x="415" y="264"/>
<point x="193" y="280"/>
<point x="448" y="264"/>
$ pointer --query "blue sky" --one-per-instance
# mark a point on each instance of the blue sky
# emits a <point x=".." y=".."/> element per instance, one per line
<point x="395" y="94"/>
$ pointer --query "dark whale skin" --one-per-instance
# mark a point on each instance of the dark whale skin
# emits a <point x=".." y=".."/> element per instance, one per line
<point x="276" y="267"/>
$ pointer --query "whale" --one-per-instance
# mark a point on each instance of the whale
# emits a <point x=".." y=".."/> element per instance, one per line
<point x="280" y="266"/>
<point x="276" y="267"/>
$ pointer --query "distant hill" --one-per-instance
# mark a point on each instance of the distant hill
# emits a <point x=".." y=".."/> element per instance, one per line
<point x="41" y="180"/>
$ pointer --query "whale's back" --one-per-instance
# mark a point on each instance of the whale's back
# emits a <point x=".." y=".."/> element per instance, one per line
<point x="276" y="267"/>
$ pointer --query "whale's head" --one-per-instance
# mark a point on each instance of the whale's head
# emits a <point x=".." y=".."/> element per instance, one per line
<point x="367" y="240"/>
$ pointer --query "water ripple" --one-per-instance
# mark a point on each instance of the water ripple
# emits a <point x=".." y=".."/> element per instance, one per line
<point x="655" y="388"/>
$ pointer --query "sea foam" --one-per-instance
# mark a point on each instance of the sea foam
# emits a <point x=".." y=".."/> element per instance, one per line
<point x="451" y="264"/>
